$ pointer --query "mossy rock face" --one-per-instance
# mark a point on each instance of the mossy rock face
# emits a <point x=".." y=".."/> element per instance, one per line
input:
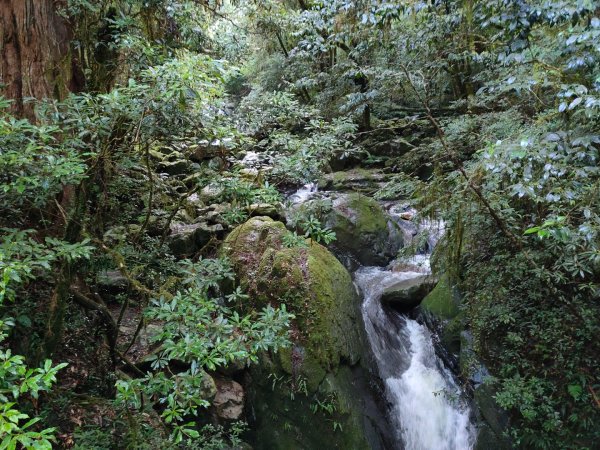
<point x="364" y="230"/>
<point x="495" y="419"/>
<point x="310" y="281"/>
<point x="440" y="309"/>
<point x="328" y="338"/>
<point x="284" y="417"/>
<point x="442" y="301"/>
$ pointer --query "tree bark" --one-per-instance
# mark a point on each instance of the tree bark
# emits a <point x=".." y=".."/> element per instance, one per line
<point x="35" y="60"/>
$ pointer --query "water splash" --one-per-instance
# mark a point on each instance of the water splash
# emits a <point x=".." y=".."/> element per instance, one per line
<point x="424" y="396"/>
<point x="304" y="194"/>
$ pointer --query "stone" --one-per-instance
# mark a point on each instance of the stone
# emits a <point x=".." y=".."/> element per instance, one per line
<point x="112" y="281"/>
<point x="211" y="192"/>
<point x="494" y="416"/>
<point x="440" y="309"/>
<point x="274" y="211"/>
<point x="409" y="293"/>
<point x="187" y="239"/>
<point x="363" y="230"/>
<point x="358" y="180"/>
<point x="229" y="399"/>
<point x="208" y="387"/>
<point x="315" y="286"/>
<point x="115" y="235"/>
<point x="178" y="167"/>
<point x="328" y="339"/>
<point x="203" y="150"/>
<point x="442" y="301"/>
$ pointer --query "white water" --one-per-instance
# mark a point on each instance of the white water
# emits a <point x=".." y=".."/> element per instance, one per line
<point x="426" y="409"/>
<point x="425" y="406"/>
<point x="304" y="194"/>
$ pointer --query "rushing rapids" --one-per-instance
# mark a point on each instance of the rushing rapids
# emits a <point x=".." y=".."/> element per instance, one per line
<point x="424" y="401"/>
<point x="422" y="392"/>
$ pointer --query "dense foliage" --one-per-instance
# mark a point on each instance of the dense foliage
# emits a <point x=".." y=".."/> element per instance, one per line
<point x="487" y="114"/>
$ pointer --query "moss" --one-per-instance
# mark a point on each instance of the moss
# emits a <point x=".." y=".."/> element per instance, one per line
<point x="442" y="301"/>
<point x="311" y="281"/>
<point x="370" y="218"/>
<point x="285" y="421"/>
<point x="319" y="291"/>
<point x="442" y="305"/>
<point x="363" y="229"/>
<point x="358" y="180"/>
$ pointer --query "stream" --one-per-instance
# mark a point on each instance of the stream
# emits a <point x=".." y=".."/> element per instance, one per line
<point x="425" y="406"/>
<point x="423" y="399"/>
<point x="421" y="391"/>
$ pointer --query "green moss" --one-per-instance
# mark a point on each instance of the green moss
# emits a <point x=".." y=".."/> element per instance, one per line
<point x="443" y="305"/>
<point x="362" y="229"/>
<point x="442" y="302"/>
<point x="311" y="281"/>
<point x="319" y="291"/>
<point x="370" y="218"/>
<point x="285" y="421"/>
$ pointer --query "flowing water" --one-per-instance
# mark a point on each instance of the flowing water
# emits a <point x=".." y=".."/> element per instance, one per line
<point x="424" y="400"/>
<point x="426" y="409"/>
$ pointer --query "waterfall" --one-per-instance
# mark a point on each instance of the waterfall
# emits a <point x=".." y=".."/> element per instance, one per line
<point x="426" y="407"/>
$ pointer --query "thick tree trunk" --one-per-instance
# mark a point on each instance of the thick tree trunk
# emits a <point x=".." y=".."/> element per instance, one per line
<point x="34" y="52"/>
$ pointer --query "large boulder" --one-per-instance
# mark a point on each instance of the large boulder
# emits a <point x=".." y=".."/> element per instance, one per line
<point x="363" y="229"/>
<point x="309" y="280"/>
<point x="285" y="387"/>
<point x="409" y="293"/>
<point x="186" y="239"/>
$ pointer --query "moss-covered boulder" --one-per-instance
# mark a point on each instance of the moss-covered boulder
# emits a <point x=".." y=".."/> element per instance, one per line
<point x="294" y="401"/>
<point x="441" y="311"/>
<point x="363" y="229"/>
<point x="310" y="281"/>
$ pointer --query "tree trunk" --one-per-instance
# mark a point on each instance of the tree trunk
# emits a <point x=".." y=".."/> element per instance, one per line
<point x="35" y="60"/>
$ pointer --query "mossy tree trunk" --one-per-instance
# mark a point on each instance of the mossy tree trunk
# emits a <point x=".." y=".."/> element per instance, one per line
<point x="35" y="60"/>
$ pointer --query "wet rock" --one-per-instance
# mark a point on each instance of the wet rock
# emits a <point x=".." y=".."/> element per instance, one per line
<point x="274" y="211"/>
<point x="408" y="294"/>
<point x="494" y="416"/>
<point x="442" y="302"/>
<point x="364" y="230"/>
<point x="187" y="239"/>
<point x="229" y="399"/>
